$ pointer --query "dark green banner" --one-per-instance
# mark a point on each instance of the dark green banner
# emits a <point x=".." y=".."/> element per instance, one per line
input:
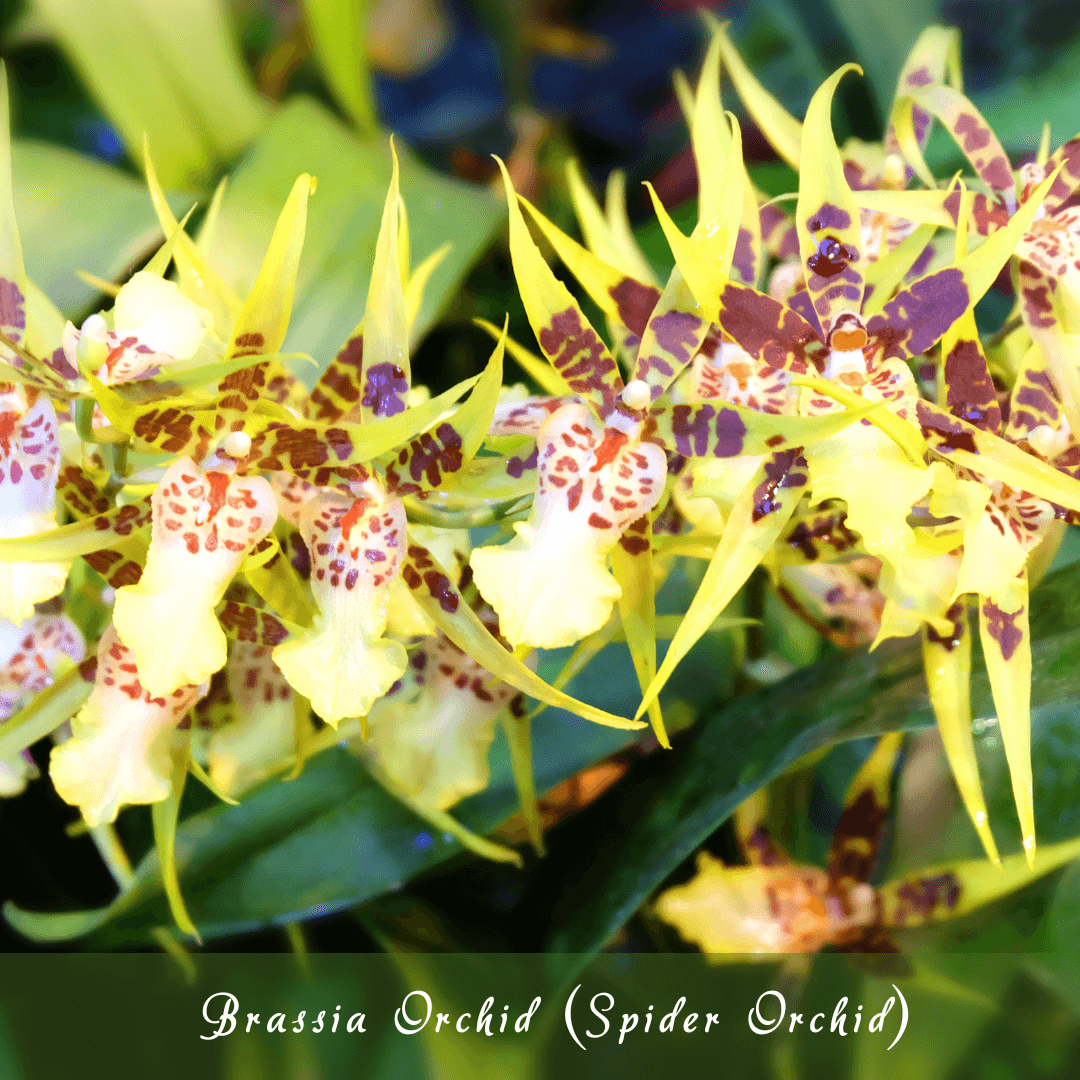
<point x="450" y="1016"/>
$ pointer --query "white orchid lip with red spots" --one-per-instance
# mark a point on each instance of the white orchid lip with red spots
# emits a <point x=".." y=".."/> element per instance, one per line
<point x="29" y="467"/>
<point x="343" y="663"/>
<point x="30" y="655"/>
<point x="432" y="732"/>
<point x="550" y="584"/>
<point x="118" y="754"/>
<point x="205" y="523"/>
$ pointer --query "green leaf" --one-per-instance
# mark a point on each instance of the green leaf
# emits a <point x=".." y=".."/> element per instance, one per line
<point x="337" y="33"/>
<point x="77" y="214"/>
<point x="173" y="74"/>
<point x="753" y="740"/>
<point x="343" y="224"/>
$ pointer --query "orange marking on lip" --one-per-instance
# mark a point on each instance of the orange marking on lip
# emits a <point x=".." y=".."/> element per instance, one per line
<point x="612" y="442"/>
<point x="352" y="516"/>
<point x="219" y="484"/>
<point x="848" y="340"/>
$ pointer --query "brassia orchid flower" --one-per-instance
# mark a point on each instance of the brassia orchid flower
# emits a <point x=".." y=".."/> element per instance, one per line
<point x="774" y="906"/>
<point x="432" y="731"/>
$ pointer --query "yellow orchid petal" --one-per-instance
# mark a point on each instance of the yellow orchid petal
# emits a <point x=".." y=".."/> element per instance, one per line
<point x="608" y="234"/>
<point x="566" y="338"/>
<point x="925" y="207"/>
<point x="967" y="125"/>
<point x="947" y="662"/>
<point x="1046" y="304"/>
<point x="12" y="271"/>
<point x="542" y="373"/>
<point x="952" y="890"/>
<point x="418" y="279"/>
<point x="877" y="480"/>
<point x="1006" y="642"/>
<point x="343" y="663"/>
<point x="672" y="337"/>
<point x="934" y="59"/>
<point x="264" y="318"/>
<point x="387" y="373"/>
<point x="119" y="750"/>
<point x="990" y="456"/>
<point x="827" y="215"/>
<point x="550" y="585"/>
<point x="858" y="833"/>
<point x="883" y="275"/>
<point x="782" y="130"/>
<point x="436" y="458"/>
<point x="756" y="520"/>
<point x="918" y="592"/>
<point x="766" y="329"/>
<point x="29" y="466"/>
<point x="968" y="389"/>
<point x="199" y="281"/>
<point x="705" y="257"/>
<point x="1067" y="157"/>
<point x="96" y="533"/>
<point x="632" y="566"/>
<point x="1033" y="406"/>
<point x="406" y="618"/>
<point x="622" y="299"/>
<point x="205" y="523"/>
<point x="710" y="136"/>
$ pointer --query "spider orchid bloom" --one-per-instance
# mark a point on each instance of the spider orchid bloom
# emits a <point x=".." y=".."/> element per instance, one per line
<point x="867" y="338"/>
<point x="204" y="525"/>
<point x="29" y="467"/>
<point x="153" y="325"/>
<point x="342" y="663"/>
<point x="30" y="656"/>
<point x="119" y="752"/>
<point x="431" y="733"/>
<point x="550" y="585"/>
<point x="876" y="172"/>
<point x="774" y="906"/>
<point x="261" y="731"/>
